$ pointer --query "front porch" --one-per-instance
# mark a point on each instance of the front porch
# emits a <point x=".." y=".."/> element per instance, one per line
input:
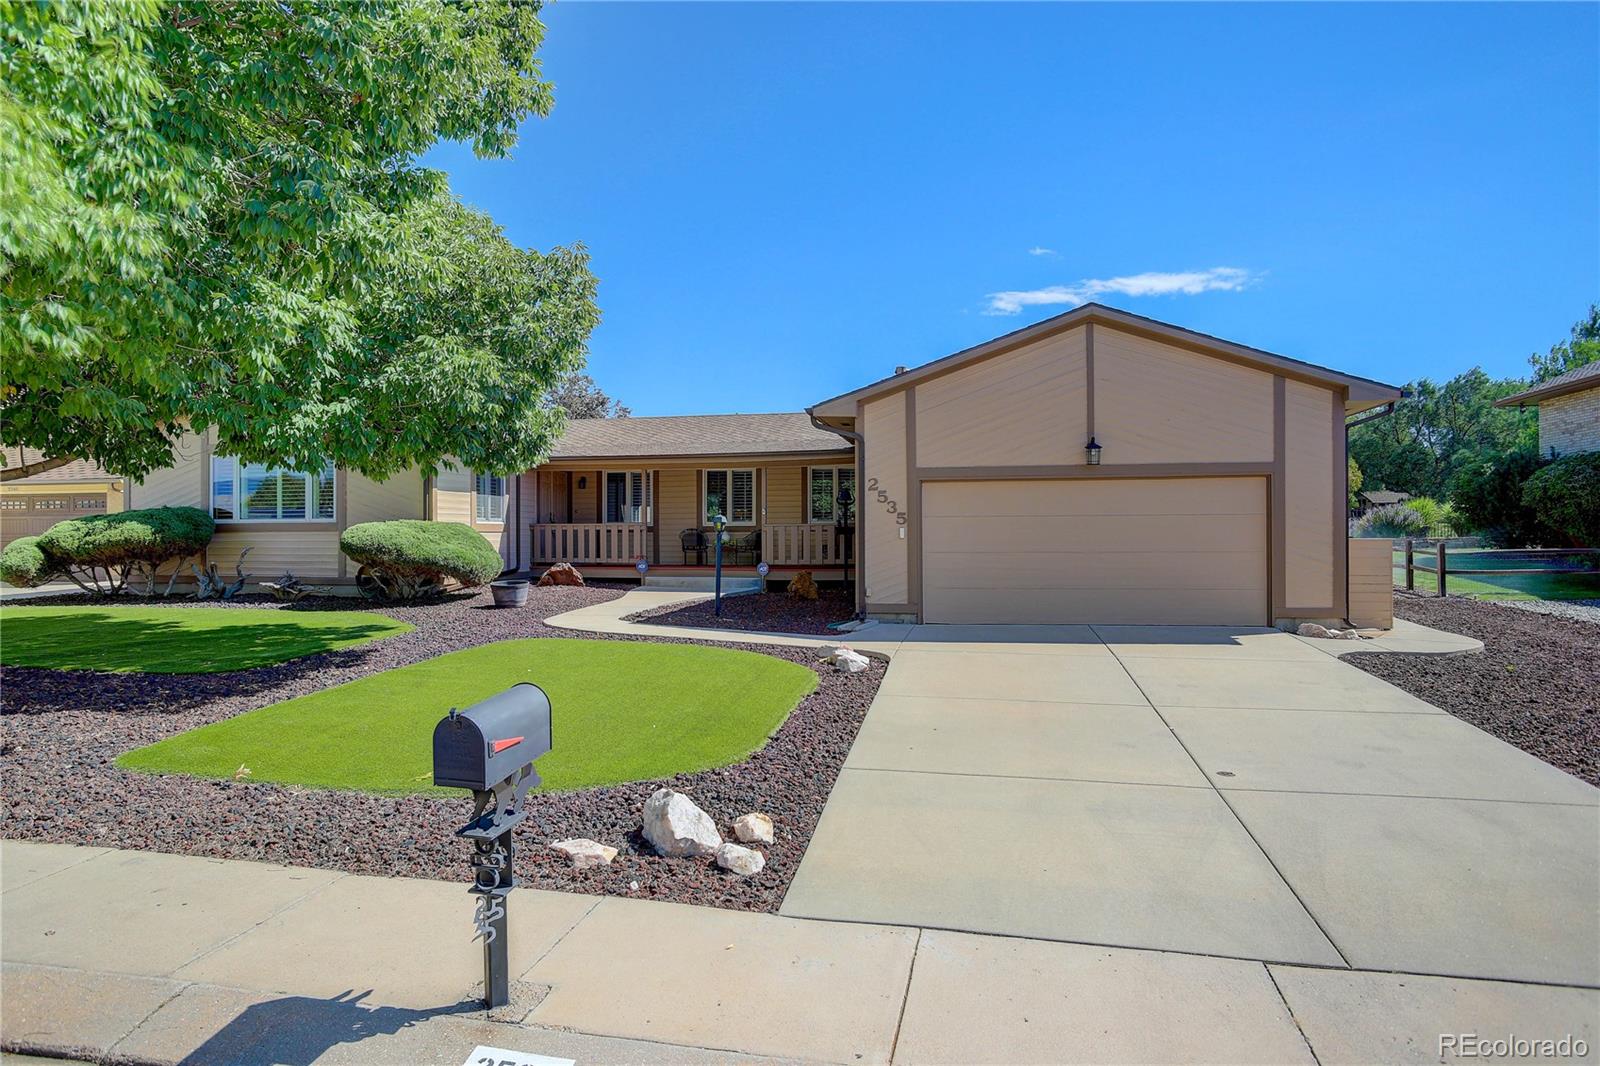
<point x="610" y="545"/>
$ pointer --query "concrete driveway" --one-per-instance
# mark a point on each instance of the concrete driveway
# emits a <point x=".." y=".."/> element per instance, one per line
<point x="1227" y="792"/>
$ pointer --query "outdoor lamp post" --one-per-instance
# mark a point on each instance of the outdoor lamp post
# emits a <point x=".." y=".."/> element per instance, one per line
<point x="719" y="523"/>
<point x="842" y="518"/>
<point x="1092" y="451"/>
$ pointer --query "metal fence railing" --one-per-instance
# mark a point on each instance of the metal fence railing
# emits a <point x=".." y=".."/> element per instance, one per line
<point x="1440" y="567"/>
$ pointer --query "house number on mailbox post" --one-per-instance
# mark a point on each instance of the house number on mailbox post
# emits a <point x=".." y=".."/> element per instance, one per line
<point x="888" y="505"/>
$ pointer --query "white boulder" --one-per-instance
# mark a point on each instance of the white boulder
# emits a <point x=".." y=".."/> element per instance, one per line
<point x="740" y="860"/>
<point x="845" y="660"/>
<point x="584" y="852"/>
<point x="676" y="827"/>
<point x="753" y="828"/>
<point x="1312" y="629"/>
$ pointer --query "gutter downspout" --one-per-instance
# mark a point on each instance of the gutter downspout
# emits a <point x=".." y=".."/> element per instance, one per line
<point x="860" y="446"/>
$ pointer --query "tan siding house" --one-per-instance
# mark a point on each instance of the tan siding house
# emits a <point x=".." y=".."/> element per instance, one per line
<point x="1095" y="467"/>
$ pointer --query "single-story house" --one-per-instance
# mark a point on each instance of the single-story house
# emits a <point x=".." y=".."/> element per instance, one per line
<point x="1094" y="467"/>
<point x="1569" y="410"/>
<point x="1379" y="498"/>
<point x="30" y="505"/>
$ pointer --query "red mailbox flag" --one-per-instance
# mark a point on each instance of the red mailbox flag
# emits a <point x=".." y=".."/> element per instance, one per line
<point x="502" y="745"/>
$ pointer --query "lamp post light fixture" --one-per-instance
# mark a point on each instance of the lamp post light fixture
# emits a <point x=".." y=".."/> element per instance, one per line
<point x="1092" y="451"/>
<point x="719" y="523"/>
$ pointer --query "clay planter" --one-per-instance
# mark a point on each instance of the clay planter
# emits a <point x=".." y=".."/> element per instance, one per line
<point x="512" y="592"/>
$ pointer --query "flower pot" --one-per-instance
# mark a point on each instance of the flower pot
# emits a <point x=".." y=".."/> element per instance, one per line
<point x="512" y="592"/>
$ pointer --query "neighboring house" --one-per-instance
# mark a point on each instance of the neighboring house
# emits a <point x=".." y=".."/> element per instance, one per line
<point x="1379" y="498"/>
<point x="1216" y="492"/>
<point x="31" y="505"/>
<point x="1569" y="410"/>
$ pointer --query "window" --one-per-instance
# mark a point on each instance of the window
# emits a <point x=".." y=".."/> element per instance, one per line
<point x="490" y="494"/>
<point x="256" y="493"/>
<point x="826" y="481"/>
<point x="731" y="493"/>
<point x="627" y="496"/>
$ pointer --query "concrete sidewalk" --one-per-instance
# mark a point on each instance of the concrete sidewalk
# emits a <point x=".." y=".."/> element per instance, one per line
<point x="130" y="956"/>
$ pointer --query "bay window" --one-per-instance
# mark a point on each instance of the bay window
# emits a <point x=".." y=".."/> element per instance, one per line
<point x="731" y="493"/>
<point x="627" y="496"/>
<point x="254" y="492"/>
<point x="823" y="494"/>
<point x="489" y="494"/>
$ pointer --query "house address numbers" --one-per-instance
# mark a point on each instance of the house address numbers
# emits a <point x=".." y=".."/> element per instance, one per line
<point x="891" y="506"/>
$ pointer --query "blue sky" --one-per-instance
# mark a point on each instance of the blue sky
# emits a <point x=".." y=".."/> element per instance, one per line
<point x="783" y="201"/>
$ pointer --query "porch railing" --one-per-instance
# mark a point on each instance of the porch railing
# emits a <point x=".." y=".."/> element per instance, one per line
<point x="809" y="544"/>
<point x="590" y="542"/>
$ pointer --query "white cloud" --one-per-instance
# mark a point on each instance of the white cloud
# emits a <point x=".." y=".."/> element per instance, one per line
<point x="1151" y="283"/>
<point x="1043" y="251"/>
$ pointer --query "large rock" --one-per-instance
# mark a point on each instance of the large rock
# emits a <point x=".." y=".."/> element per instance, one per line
<point x="584" y="852"/>
<point x="740" y="860"/>
<point x="753" y="828"/>
<point x="561" y="574"/>
<point x="845" y="660"/>
<point x="674" y="826"/>
<point x="1312" y="629"/>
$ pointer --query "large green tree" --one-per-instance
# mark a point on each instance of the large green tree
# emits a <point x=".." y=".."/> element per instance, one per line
<point x="214" y="217"/>
<point x="1581" y="349"/>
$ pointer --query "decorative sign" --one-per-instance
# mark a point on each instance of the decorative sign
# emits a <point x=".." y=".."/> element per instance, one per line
<point x="499" y="1056"/>
<point x="762" y="568"/>
<point x="642" y="565"/>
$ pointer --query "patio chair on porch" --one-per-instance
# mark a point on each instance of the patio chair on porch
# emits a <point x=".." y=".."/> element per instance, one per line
<point x="745" y="547"/>
<point x="694" y="543"/>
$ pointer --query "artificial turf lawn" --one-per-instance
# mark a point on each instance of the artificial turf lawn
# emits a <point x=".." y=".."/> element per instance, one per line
<point x="620" y="710"/>
<point x="177" y="640"/>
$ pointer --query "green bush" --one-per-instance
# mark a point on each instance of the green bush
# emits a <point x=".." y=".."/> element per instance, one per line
<point x="22" y="564"/>
<point x="1441" y="517"/>
<point x="1487" y="494"/>
<point x="1391" y="520"/>
<point x="1566" y="497"/>
<point x="408" y="559"/>
<point x="123" y="544"/>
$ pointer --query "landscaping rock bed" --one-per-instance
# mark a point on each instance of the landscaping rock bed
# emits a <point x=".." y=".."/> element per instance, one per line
<point x="771" y="612"/>
<point x="61" y="731"/>
<point x="1536" y="683"/>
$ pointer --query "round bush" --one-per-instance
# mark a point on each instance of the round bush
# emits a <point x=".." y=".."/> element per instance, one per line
<point x="1392" y="520"/>
<point x="1566" y="497"/>
<point x="408" y="558"/>
<point x="150" y="537"/>
<point x="22" y="564"/>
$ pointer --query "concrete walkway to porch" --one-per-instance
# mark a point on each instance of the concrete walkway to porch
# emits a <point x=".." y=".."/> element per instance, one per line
<point x="131" y="956"/>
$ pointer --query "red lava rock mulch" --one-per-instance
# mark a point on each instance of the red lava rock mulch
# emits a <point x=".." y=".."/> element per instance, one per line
<point x="771" y="612"/>
<point x="61" y="730"/>
<point x="1536" y="683"/>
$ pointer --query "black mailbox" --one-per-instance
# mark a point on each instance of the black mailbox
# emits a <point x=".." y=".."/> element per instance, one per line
<point x="490" y="741"/>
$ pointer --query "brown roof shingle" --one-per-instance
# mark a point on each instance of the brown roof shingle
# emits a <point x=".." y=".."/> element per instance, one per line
<point x="656" y="437"/>
<point x="75" y="471"/>
<point x="1584" y="377"/>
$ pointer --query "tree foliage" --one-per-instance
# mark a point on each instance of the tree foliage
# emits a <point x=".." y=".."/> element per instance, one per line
<point x="1581" y="349"/>
<point x="1487" y="493"/>
<point x="1566" y="497"/>
<point x="1353" y="480"/>
<point x="580" y="397"/>
<point x="214" y="217"/>
<point x="118" y="546"/>
<point x="411" y="559"/>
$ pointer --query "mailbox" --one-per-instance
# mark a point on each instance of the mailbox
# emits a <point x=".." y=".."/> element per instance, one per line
<point x="490" y="741"/>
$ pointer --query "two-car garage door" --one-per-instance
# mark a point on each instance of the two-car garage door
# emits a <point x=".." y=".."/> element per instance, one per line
<point x="1176" y="551"/>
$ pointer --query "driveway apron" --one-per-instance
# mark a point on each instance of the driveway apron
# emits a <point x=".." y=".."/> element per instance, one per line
<point x="1218" y="791"/>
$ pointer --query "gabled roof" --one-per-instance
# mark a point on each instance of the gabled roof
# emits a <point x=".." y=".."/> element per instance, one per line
<point x="78" y="470"/>
<point x="1584" y="377"/>
<point x="1380" y="497"/>
<point x="669" y="436"/>
<point x="1364" y="392"/>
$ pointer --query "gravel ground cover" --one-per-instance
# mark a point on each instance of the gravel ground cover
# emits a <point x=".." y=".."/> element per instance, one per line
<point x="1536" y="683"/>
<point x="60" y="733"/>
<point x="1581" y="610"/>
<point x="772" y="612"/>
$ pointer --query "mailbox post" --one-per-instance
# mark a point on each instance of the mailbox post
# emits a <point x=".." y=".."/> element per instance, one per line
<point x="490" y="748"/>
<point x="719" y="523"/>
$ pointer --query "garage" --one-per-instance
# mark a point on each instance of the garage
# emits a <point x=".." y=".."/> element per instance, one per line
<point x="1174" y="551"/>
<point x="30" y="515"/>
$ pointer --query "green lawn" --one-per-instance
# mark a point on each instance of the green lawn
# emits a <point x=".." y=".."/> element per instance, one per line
<point x="177" y="640"/>
<point x="1482" y="582"/>
<point x="622" y="711"/>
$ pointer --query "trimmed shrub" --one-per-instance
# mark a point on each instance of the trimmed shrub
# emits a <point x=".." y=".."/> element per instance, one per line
<point x="408" y="559"/>
<point x="1487" y="493"/>
<point x="1441" y="517"/>
<point x="22" y="564"/>
<point x="1566" y="497"/>
<point x="126" y="543"/>
<point x="1391" y="520"/>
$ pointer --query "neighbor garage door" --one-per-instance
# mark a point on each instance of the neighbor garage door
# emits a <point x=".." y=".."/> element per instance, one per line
<point x="1177" y="551"/>
<point x="28" y="516"/>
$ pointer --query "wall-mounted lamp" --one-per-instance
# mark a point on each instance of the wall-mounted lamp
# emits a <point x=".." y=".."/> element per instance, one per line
<point x="583" y="482"/>
<point x="1092" y="452"/>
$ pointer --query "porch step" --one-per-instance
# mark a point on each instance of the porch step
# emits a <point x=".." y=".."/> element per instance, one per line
<point x="731" y="586"/>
